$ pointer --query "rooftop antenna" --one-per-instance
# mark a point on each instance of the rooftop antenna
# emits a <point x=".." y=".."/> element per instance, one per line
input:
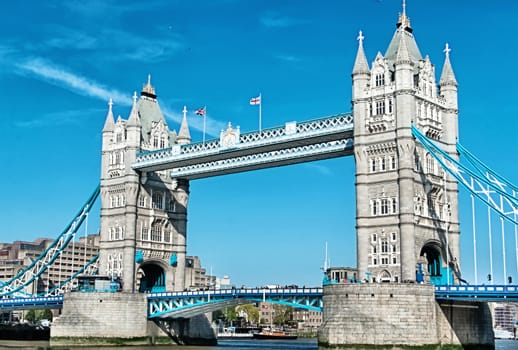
<point x="326" y="261"/>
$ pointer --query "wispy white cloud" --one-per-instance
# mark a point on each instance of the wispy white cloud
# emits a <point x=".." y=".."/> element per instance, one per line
<point x="53" y="74"/>
<point x="70" y="117"/>
<point x="61" y="77"/>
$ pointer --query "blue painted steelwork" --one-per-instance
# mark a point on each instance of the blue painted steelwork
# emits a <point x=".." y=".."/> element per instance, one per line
<point x="67" y="284"/>
<point x="52" y="302"/>
<point x="187" y="304"/>
<point x="474" y="293"/>
<point x="485" y="184"/>
<point x="28" y="275"/>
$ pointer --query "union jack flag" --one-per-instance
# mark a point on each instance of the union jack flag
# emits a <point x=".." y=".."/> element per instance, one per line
<point x="201" y="111"/>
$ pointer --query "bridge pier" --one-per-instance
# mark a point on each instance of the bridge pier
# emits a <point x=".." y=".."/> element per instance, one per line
<point x="97" y="319"/>
<point x="362" y="316"/>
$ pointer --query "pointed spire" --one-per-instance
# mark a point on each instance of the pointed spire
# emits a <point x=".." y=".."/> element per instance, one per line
<point x="447" y="75"/>
<point x="109" y="124"/>
<point x="134" y="119"/>
<point x="360" y="64"/>
<point x="184" y="136"/>
<point x="402" y="55"/>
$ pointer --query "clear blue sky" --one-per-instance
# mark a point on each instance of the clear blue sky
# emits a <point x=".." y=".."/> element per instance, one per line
<point x="60" y="62"/>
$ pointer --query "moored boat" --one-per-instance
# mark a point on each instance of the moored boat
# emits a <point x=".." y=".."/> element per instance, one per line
<point x="274" y="334"/>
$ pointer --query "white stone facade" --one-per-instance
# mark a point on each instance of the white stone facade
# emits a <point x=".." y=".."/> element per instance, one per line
<point x="407" y="207"/>
<point x="143" y="215"/>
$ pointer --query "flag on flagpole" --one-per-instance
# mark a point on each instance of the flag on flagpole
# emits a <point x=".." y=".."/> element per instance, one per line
<point x="201" y="111"/>
<point x="255" y="100"/>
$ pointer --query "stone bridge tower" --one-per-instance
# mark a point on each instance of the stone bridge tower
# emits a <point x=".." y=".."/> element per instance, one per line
<point x="407" y="207"/>
<point x="143" y="216"/>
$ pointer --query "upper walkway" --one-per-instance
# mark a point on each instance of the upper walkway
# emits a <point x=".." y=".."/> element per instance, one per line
<point x="234" y="152"/>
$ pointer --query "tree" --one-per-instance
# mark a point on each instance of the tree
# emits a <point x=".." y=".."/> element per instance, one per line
<point x="283" y="314"/>
<point x="251" y="311"/>
<point x="230" y="313"/>
<point x="30" y="315"/>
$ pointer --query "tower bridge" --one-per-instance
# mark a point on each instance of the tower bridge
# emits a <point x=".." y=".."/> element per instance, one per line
<point x="407" y="219"/>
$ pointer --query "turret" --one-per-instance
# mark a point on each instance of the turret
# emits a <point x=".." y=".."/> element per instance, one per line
<point x="109" y="125"/>
<point x="448" y="86"/>
<point x="184" y="136"/>
<point x="133" y="127"/>
<point x="361" y="72"/>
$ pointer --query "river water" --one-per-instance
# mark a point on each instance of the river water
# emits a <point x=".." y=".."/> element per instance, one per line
<point x="299" y="344"/>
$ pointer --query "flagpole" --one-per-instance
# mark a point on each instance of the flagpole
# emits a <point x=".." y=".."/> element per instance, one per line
<point x="260" y="105"/>
<point x="204" y="118"/>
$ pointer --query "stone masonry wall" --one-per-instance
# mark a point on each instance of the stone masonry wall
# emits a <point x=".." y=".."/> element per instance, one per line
<point x="379" y="314"/>
<point x="114" y="315"/>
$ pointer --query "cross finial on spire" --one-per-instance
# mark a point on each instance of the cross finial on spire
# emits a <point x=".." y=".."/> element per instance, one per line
<point x="134" y="97"/>
<point x="184" y="111"/>
<point x="149" y="79"/>
<point x="360" y="37"/>
<point x="110" y="103"/>
<point x="447" y="50"/>
<point x="404" y="8"/>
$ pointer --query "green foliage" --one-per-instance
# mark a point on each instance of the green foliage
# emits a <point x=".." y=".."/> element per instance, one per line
<point x="30" y="316"/>
<point x="230" y="313"/>
<point x="250" y="310"/>
<point x="283" y="314"/>
<point x="36" y="315"/>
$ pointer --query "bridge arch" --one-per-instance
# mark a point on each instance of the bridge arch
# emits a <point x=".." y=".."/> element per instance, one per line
<point x="384" y="276"/>
<point x="151" y="276"/>
<point x="432" y="254"/>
